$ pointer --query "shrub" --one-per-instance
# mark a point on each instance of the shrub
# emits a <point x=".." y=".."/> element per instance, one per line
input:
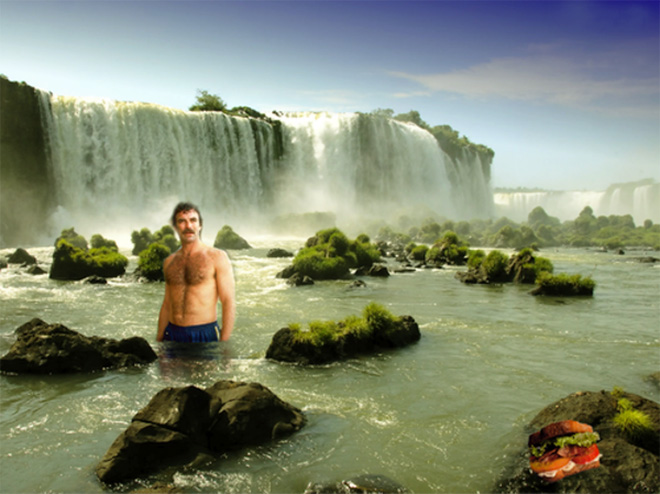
<point x="150" y="262"/>
<point x="98" y="241"/>
<point x="330" y="255"/>
<point x="419" y="253"/>
<point x="141" y="240"/>
<point x="475" y="258"/>
<point x="72" y="238"/>
<point x="494" y="266"/>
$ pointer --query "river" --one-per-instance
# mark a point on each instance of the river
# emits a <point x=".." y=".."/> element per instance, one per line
<point x="447" y="414"/>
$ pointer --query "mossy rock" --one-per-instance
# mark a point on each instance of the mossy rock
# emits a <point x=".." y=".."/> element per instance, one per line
<point x="227" y="238"/>
<point x="329" y="341"/>
<point x="564" y="285"/>
<point x="73" y="263"/>
<point x="150" y="262"/>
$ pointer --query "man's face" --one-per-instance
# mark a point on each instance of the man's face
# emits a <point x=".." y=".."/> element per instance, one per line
<point x="187" y="226"/>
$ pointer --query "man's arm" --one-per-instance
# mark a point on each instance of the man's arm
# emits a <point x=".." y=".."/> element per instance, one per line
<point x="224" y="280"/>
<point x="164" y="314"/>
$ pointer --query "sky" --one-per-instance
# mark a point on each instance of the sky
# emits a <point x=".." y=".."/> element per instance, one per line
<point x="567" y="93"/>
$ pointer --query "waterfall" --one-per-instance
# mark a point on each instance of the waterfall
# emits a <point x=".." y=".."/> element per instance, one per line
<point x="119" y="166"/>
<point x="640" y="199"/>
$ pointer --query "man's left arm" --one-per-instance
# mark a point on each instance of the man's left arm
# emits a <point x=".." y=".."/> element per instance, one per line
<point x="224" y="279"/>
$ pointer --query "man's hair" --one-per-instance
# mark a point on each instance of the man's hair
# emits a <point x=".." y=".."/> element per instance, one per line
<point x="183" y="207"/>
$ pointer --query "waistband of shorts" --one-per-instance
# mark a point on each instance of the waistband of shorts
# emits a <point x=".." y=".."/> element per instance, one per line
<point x="195" y="327"/>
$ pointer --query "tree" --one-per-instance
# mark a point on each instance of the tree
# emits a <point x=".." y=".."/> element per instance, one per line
<point x="208" y="102"/>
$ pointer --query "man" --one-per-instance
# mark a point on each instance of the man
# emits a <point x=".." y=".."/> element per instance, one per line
<point x="196" y="277"/>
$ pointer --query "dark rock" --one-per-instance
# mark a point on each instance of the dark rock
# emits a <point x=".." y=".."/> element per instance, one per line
<point x="42" y="348"/>
<point x="3" y="263"/>
<point x="287" y="272"/>
<point x="358" y="284"/>
<point x="647" y="259"/>
<point x="95" y="280"/>
<point x="298" y="279"/>
<point x="378" y="270"/>
<point x="620" y="252"/>
<point x="279" y="253"/>
<point x="654" y="378"/>
<point x="181" y="425"/>
<point x="35" y="270"/>
<point x="285" y="347"/>
<point x="21" y="256"/>
<point x="361" y="484"/>
<point x="627" y="465"/>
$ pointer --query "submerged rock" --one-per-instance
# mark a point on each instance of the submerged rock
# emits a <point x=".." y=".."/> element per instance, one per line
<point x="42" y="348"/>
<point x="277" y="252"/>
<point x="187" y="425"/>
<point x="628" y="464"/>
<point x="361" y="484"/>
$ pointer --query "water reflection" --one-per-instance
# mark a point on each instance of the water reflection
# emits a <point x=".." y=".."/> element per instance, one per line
<point x="193" y="361"/>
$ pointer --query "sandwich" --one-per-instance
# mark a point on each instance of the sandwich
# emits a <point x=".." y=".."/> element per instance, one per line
<point x="562" y="449"/>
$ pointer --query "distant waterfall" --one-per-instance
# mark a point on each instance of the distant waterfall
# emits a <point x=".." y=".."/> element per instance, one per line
<point x="125" y="165"/>
<point x="639" y="199"/>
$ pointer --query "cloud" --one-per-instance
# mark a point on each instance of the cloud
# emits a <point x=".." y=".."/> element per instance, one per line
<point x="602" y="82"/>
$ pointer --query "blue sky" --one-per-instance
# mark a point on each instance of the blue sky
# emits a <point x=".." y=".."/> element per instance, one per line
<point x="567" y="93"/>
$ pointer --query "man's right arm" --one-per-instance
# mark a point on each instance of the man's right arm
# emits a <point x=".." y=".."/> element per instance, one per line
<point x="164" y="314"/>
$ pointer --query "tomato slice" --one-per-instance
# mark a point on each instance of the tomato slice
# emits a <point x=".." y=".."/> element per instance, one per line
<point x="589" y="454"/>
<point x="549" y="464"/>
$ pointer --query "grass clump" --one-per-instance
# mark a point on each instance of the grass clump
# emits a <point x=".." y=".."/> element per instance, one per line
<point x="565" y="284"/>
<point x="635" y="424"/>
<point x="375" y="318"/>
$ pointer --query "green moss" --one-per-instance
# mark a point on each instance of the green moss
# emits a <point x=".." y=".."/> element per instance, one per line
<point x="227" y="238"/>
<point x="73" y="263"/>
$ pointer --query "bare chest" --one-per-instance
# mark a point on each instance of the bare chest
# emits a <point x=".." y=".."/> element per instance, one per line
<point x="190" y="270"/>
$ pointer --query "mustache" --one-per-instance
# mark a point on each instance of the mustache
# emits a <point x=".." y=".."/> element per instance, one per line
<point x="188" y="231"/>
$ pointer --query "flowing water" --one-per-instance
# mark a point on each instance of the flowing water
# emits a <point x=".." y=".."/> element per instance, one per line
<point x="447" y="414"/>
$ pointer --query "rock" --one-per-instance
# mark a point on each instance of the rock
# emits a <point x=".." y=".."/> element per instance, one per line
<point x="378" y="270"/>
<point x="627" y="465"/>
<point x="42" y="348"/>
<point x="3" y="263"/>
<point x="180" y="425"/>
<point x="287" y="272"/>
<point x="228" y="239"/>
<point x="647" y="259"/>
<point x="285" y="347"/>
<point x="21" y="256"/>
<point x="279" y="253"/>
<point x="357" y="284"/>
<point x="361" y="484"/>
<point x="35" y="270"/>
<point x="95" y="280"/>
<point x="298" y="279"/>
<point x="74" y="264"/>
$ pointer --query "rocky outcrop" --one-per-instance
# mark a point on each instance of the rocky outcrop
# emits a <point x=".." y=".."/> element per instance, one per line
<point x="22" y="256"/>
<point x="227" y="238"/>
<point x="42" y="348"/>
<point x="73" y="263"/>
<point x="188" y="425"/>
<point x="287" y="347"/>
<point x="25" y="196"/>
<point x="627" y="465"/>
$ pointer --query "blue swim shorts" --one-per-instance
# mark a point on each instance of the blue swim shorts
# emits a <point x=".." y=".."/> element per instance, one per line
<point x="200" y="333"/>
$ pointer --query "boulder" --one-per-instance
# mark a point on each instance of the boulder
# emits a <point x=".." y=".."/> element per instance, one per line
<point x="21" y="256"/>
<point x="42" y="348"/>
<point x="627" y="465"/>
<point x="378" y="270"/>
<point x="187" y="425"/>
<point x="35" y="270"/>
<point x="276" y="252"/>
<point x="228" y="239"/>
<point x="298" y="279"/>
<point x="287" y="347"/>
